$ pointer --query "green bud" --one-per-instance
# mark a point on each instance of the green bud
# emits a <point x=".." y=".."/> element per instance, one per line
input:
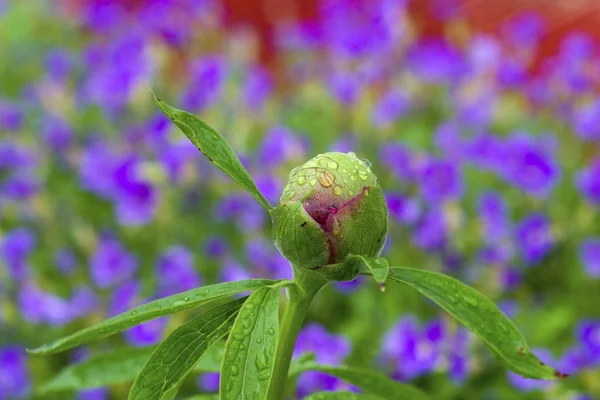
<point x="332" y="207"/>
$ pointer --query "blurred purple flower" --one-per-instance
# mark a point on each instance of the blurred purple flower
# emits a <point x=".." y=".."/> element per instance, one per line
<point x="525" y="29"/>
<point x="216" y="247"/>
<point x="57" y="133"/>
<point x="209" y="382"/>
<point x="526" y="384"/>
<point x="15" y="248"/>
<point x="588" y="182"/>
<point x="94" y="394"/>
<point x="400" y="160"/>
<point x="448" y="140"/>
<point x="458" y="356"/>
<point x="411" y="349"/>
<point x="11" y="117"/>
<point x="589" y="254"/>
<point x="17" y="157"/>
<point x="430" y="232"/>
<point x="14" y="375"/>
<point x="65" y="261"/>
<point x="257" y="88"/>
<point x="353" y="28"/>
<point x="392" y="106"/>
<point x="124" y="297"/>
<point x="19" y="187"/>
<point x="59" y="63"/>
<point x="38" y="306"/>
<point x="511" y="73"/>
<point x="174" y="157"/>
<point x="111" y="264"/>
<point x="176" y="272"/>
<point x="440" y="180"/>
<point x="435" y="61"/>
<point x="530" y="166"/>
<point x="493" y="215"/>
<point x="208" y="77"/>
<point x="486" y="151"/>
<point x="406" y="210"/>
<point x="344" y="87"/>
<point x="136" y="199"/>
<point x="586" y="121"/>
<point x="269" y="185"/>
<point x="485" y="54"/>
<point x="588" y="335"/>
<point x="146" y="334"/>
<point x="534" y="238"/>
<point x="114" y="72"/>
<point x="328" y="349"/>
<point x="231" y="271"/>
<point x="348" y="287"/>
<point x="279" y="145"/>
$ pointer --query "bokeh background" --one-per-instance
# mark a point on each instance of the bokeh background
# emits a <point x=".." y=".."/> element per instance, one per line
<point x="481" y="119"/>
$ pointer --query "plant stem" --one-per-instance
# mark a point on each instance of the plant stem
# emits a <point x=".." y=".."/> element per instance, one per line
<point x="308" y="284"/>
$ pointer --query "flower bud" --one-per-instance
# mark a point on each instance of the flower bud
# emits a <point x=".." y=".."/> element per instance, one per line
<point x="331" y="207"/>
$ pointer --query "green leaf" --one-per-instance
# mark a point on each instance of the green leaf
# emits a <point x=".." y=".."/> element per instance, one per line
<point x="481" y="316"/>
<point x="344" y="396"/>
<point x="250" y="349"/>
<point x="117" y="366"/>
<point x="379" y="269"/>
<point x="177" y="355"/>
<point x="154" y="309"/>
<point x="370" y="381"/>
<point x="203" y="397"/>
<point x="215" y="148"/>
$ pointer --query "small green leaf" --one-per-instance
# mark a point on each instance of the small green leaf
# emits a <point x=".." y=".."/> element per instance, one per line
<point x="250" y="349"/>
<point x="482" y="317"/>
<point x="117" y="366"/>
<point x="344" y="396"/>
<point x="203" y="397"/>
<point x="215" y="148"/>
<point x="177" y="355"/>
<point x="154" y="309"/>
<point x="379" y="269"/>
<point x="370" y="381"/>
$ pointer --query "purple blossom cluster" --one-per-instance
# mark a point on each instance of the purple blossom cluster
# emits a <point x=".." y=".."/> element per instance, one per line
<point x="491" y="171"/>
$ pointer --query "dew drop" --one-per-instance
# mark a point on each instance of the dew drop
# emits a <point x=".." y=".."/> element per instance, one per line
<point x="382" y="287"/>
<point x="326" y="179"/>
<point x="215" y="136"/>
<point x="235" y="370"/>
<point x="259" y="340"/>
<point x="332" y="165"/>
<point x="363" y="175"/>
<point x="134" y="313"/>
<point x="344" y="171"/>
<point x="350" y="192"/>
<point x="312" y="181"/>
<point x="471" y="300"/>
<point x="337" y="190"/>
<point x="351" y="154"/>
<point x="271" y="331"/>
<point x="352" y="177"/>
<point x="301" y="180"/>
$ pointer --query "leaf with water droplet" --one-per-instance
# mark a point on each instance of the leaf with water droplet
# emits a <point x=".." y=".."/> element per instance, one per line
<point x="117" y="366"/>
<point x="247" y="369"/>
<point x="174" y="359"/>
<point x="481" y="316"/>
<point x="378" y="267"/>
<point x="368" y="380"/>
<point x="342" y="396"/>
<point x="152" y="310"/>
<point x="215" y="148"/>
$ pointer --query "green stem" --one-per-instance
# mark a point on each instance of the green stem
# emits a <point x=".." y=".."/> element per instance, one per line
<point x="307" y="285"/>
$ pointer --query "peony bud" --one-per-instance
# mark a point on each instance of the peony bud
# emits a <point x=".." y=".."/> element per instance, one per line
<point x="331" y="208"/>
